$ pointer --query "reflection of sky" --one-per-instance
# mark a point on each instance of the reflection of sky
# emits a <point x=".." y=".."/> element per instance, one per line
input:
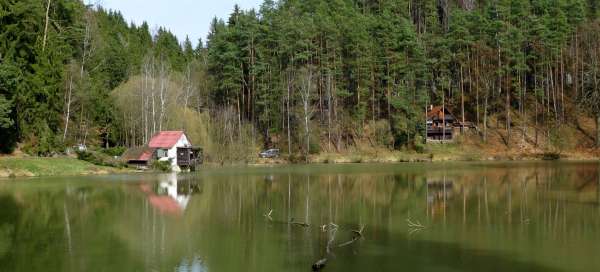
<point x="194" y="265"/>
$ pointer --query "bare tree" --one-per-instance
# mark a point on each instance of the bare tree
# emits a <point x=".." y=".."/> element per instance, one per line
<point x="164" y="78"/>
<point x="68" y="106"/>
<point x="46" y="25"/>
<point x="306" y="96"/>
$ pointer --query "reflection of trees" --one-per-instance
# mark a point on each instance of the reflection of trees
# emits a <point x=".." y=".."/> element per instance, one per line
<point x="87" y="227"/>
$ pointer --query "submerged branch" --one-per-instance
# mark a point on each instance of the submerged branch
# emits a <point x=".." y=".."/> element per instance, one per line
<point x="416" y="224"/>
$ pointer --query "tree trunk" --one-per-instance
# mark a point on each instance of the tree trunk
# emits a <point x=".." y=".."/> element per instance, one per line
<point x="289" y="133"/>
<point x="598" y="130"/>
<point x="46" y="26"/>
<point x="467" y="5"/>
<point x="443" y="12"/>
<point x="329" y="109"/>
<point x="68" y="113"/>
<point x="485" y="113"/>
<point x="462" y="99"/>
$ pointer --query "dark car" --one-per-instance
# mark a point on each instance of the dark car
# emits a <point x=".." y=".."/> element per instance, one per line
<point x="269" y="154"/>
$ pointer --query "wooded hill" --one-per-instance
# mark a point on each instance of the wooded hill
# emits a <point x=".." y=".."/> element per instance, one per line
<point x="305" y="76"/>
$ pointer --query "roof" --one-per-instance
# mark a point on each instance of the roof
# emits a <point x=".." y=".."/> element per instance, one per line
<point x="436" y="113"/>
<point x="138" y="154"/>
<point x="165" y="139"/>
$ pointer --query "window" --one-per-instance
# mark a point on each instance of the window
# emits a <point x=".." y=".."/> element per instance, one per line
<point x="161" y="153"/>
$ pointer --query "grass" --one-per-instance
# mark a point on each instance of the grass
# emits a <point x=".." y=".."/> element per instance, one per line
<point x="43" y="167"/>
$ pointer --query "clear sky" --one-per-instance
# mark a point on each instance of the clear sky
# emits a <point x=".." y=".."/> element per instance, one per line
<point x="182" y="17"/>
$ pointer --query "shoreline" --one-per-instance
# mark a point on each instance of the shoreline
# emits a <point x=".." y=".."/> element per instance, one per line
<point x="23" y="167"/>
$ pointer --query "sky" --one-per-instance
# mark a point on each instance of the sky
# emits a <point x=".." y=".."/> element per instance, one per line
<point x="182" y="17"/>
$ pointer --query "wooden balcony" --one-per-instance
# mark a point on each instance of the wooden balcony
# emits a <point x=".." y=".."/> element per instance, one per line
<point x="439" y="131"/>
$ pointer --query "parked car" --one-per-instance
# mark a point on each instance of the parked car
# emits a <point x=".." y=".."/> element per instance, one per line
<point x="269" y="154"/>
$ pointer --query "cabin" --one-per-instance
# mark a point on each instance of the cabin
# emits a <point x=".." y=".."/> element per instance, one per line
<point x="171" y="146"/>
<point x="443" y="126"/>
<point x="440" y="124"/>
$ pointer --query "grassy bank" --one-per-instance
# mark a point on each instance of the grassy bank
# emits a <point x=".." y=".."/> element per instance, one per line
<point x="42" y="167"/>
<point x="436" y="153"/>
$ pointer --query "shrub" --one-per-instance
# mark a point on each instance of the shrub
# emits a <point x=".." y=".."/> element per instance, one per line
<point x="314" y="147"/>
<point x="420" y="144"/>
<point x="116" y="151"/>
<point x="100" y="159"/>
<point x="551" y="156"/>
<point x="162" y="166"/>
<point x="381" y="132"/>
<point x="297" y="158"/>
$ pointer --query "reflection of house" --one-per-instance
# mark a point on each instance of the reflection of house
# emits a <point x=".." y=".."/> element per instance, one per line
<point x="438" y="194"/>
<point x="439" y="190"/>
<point x="171" y="196"/>
<point x="171" y="146"/>
<point x="442" y="125"/>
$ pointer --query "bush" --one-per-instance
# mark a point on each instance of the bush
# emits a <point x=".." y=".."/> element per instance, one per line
<point x="116" y="151"/>
<point x="99" y="159"/>
<point x="382" y="133"/>
<point x="297" y="158"/>
<point x="162" y="166"/>
<point x="550" y="156"/>
<point x="314" y="147"/>
<point x="420" y="144"/>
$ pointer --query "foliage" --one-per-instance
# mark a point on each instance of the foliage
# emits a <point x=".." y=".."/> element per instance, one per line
<point x="116" y="151"/>
<point x="99" y="158"/>
<point x="162" y="166"/>
<point x="302" y="76"/>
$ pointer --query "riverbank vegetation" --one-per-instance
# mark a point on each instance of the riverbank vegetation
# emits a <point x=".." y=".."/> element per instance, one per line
<point x="308" y="77"/>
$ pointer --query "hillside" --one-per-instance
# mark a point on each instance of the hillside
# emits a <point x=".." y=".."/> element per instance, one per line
<point x="307" y="77"/>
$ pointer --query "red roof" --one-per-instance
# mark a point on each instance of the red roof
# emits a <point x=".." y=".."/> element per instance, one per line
<point x="146" y="156"/>
<point x="140" y="154"/>
<point x="165" y="139"/>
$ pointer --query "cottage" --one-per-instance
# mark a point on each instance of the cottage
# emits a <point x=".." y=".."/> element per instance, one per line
<point x="171" y="146"/>
<point x="440" y="124"/>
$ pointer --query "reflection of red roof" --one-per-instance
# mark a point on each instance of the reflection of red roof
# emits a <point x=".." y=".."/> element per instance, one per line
<point x="165" y="204"/>
<point x="165" y="139"/>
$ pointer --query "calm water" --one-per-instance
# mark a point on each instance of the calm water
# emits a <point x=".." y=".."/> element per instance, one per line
<point x="416" y="217"/>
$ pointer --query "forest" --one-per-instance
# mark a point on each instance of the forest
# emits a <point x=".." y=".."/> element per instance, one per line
<point x="305" y="76"/>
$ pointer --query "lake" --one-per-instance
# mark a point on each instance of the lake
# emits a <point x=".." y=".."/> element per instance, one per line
<point x="513" y="216"/>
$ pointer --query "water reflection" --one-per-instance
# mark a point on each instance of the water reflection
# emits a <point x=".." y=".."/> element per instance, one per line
<point x="473" y="217"/>
<point x="170" y="195"/>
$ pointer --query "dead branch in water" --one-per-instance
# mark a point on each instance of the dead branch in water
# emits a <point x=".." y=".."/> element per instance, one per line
<point x="301" y="224"/>
<point x="357" y="236"/>
<point x="331" y="229"/>
<point x="359" y="231"/>
<point x="416" y="225"/>
<point x="268" y="215"/>
<point x="291" y="222"/>
<point x="319" y="265"/>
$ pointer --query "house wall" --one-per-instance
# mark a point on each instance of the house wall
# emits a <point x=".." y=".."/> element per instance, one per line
<point x="172" y="153"/>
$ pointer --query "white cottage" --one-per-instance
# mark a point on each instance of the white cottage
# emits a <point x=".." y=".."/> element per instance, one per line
<point x="172" y="146"/>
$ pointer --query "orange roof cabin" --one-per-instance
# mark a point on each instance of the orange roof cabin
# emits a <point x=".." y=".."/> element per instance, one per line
<point x="442" y="125"/>
<point x="168" y="146"/>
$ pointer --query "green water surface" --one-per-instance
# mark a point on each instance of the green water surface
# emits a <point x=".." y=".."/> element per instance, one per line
<point x="414" y="217"/>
